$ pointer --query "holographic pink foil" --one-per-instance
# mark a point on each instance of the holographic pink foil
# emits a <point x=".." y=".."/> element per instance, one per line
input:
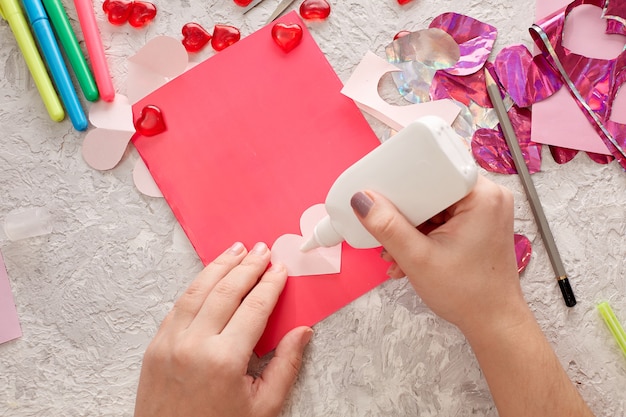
<point x="463" y="89"/>
<point x="527" y="79"/>
<point x="474" y="37"/>
<point x="562" y="155"/>
<point x="592" y="82"/>
<point x="615" y="13"/>
<point x="600" y="158"/>
<point x="523" y="251"/>
<point x="492" y="153"/>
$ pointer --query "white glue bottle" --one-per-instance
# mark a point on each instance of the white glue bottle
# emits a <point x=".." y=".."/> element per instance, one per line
<point x="423" y="169"/>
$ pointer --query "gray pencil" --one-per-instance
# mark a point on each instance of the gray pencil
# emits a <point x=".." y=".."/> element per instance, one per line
<point x="531" y="192"/>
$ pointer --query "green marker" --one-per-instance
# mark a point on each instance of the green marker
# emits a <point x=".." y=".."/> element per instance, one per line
<point x="614" y="326"/>
<point x="67" y="38"/>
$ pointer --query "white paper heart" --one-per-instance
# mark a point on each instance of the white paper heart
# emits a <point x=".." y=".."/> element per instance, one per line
<point x="103" y="149"/>
<point x="320" y="261"/>
<point x="143" y="180"/>
<point x="117" y="115"/>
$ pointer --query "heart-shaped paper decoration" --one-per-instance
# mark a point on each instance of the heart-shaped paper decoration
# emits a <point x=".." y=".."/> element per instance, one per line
<point x="195" y="37"/>
<point x="224" y="36"/>
<point x="585" y="34"/>
<point x="314" y="9"/>
<point x="320" y="261"/>
<point x="141" y="13"/>
<point x="287" y="36"/>
<point x="150" y="122"/>
<point x="117" y="11"/>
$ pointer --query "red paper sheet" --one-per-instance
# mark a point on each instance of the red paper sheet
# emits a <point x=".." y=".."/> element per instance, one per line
<point x="254" y="137"/>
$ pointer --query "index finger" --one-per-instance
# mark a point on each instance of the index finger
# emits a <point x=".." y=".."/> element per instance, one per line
<point x="248" y="322"/>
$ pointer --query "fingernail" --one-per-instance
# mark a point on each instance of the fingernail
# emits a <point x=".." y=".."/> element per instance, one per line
<point x="259" y="249"/>
<point x="361" y="203"/>
<point x="236" y="249"/>
<point x="306" y="337"/>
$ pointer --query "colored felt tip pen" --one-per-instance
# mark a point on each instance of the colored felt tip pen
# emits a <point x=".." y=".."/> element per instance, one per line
<point x="11" y="11"/>
<point x="95" y="50"/>
<point x="613" y="324"/>
<point x="52" y="54"/>
<point x="67" y="38"/>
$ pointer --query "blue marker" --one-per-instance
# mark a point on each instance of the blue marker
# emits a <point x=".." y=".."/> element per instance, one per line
<point x="52" y="55"/>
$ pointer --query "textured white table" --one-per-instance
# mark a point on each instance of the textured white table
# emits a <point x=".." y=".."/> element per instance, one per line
<point x="91" y="295"/>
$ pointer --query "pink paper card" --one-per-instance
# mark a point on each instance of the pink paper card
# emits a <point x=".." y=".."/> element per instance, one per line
<point x="9" y="323"/>
<point x="254" y="137"/>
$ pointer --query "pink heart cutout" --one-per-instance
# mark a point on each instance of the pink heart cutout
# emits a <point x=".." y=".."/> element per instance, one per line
<point x="320" y="261"/>
<point x="585" y="34"/>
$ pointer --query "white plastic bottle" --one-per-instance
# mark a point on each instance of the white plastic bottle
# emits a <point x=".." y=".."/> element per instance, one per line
<point x="423" y="169"/>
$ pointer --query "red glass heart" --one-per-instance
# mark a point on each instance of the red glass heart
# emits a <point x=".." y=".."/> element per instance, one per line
<point x="314" y="9"/>
<point x="402" y="2"/>
<point x="401" y="34"/>
<point x="117" y="11"/>
<point x="287" y="36"/>
<point x="195" y="37"/>
<point x="141" y="13"/>
<point x="224" y="36"/>
<point x="242" y="3"/>
<point x="150" y="122"/>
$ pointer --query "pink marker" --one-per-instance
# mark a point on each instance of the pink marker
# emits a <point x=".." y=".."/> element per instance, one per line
<point x="95" y="50"/>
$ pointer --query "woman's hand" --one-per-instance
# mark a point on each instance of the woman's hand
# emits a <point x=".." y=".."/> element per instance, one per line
<point x="197" y="363"/>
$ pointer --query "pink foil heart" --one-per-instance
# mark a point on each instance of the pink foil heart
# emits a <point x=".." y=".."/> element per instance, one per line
<point x="287" y="36"/>
<point x="150" y="122"/>
<point x="527" y="79"/>
<point x="492" y="153"/>
<point x="523" y="251"/>
<point x="474" y="37"/>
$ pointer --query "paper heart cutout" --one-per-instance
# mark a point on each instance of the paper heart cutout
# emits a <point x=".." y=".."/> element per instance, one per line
<point x="320" y="261"/>
<point x="103" y="149"/>
<point x="141" y="13"/>
<point x="584" y="33"/>
<point x="195" y="37"/>
<point x="115" y="115"/>
<point x="287" y="36"/>
<point x="117" y="11"/>
<point x="314" y="9"/>
<point x="224" y="36"/>
<point x="150" y="121"/>
<point x="144" y="181"/>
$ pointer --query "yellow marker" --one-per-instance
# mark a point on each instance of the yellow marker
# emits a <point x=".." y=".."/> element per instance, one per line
<point x="11" y="11"/>
<point x="613" y="324"/>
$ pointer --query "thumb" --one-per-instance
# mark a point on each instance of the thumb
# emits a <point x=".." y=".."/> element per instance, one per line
<point x="281" y="372"/>
<point x="383" y="220"/>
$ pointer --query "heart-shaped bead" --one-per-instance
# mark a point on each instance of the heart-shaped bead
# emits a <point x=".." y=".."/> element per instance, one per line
<point x="195" y="37"/>
<point x="150" y="122"/>
<point x="287" y="36"/>
<point x="224" y="36"/>
<point x="141" y="13"/>
<point x="117" y="11"/>
<point x="242" y="3"/>
<point x="314" y="9"/>
<point x="402" y="2"/>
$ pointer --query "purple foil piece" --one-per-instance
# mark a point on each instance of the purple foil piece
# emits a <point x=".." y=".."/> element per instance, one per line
<point x="527" y="79"/>
<point x="523" y="251"/>
<point x="562" y="155"/>
<point x="492" y="153"/>
<point x="474" y="37"/>
<point x="592" y="82"/>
